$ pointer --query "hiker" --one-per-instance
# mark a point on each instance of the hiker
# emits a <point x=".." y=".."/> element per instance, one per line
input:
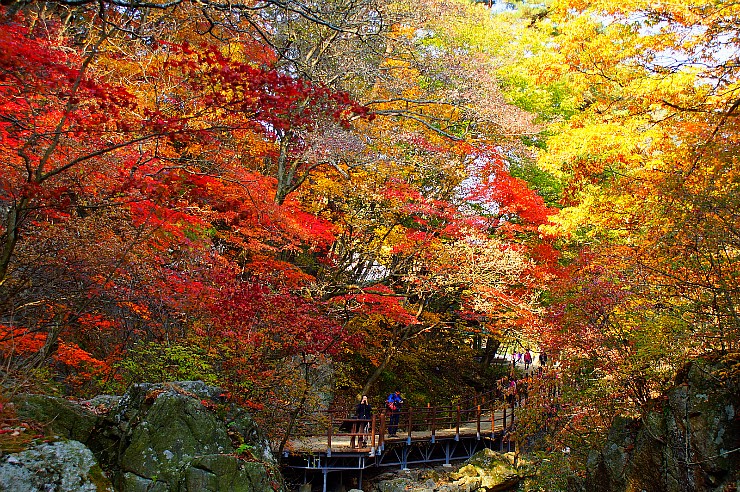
<point x="363" y="414"/>
<point x="527" y="359"/>
<point x="393" y="406"/>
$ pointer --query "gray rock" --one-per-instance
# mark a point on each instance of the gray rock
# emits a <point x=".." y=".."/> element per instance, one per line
<point x="683" y="445"/>
<point x="430" y="484"/>
<point x="65" y="466"/>
<point x="394" y="485"/>
<point x="134" y="483"/>
<point x="106" y="402"/>
<point x="171" y="439"/>
<point x="173" y="431"/>
<point x="614" y="454"/>
<point x="61" y="417"/>
<point x="220" y="472"/>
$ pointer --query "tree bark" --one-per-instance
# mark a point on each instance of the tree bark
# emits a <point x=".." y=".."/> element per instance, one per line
<point x="11" y="236"/>
<point x="378" y="370"/>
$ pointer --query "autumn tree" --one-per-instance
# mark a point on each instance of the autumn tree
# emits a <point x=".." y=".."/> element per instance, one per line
<point x="213" y="197"/>
<point x="83" y="153"/>
<point x="410" y="203"/>
<point x="642" y="103"/>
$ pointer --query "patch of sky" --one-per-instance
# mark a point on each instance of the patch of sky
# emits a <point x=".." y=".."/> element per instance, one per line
<point x="422" y="34"/>
<point x="469" y="184"/>
<point x="497" y="6"/>
<point x="375" y="24"/>
<point x="703" y="50"/>
<point x="366" y="270"/>
<point x="431" y="51"/>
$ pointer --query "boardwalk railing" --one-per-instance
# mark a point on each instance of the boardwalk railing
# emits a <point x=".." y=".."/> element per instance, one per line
<point x="483" y="415"/>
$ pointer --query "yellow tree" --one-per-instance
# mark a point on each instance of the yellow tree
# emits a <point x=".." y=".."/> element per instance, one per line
<point x="647" y="151"/>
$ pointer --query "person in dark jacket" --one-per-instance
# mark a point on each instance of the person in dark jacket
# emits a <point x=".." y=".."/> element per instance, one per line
<point x="363" y="414"/>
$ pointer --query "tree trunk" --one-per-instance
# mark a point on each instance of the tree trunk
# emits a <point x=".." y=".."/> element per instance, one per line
<point x="298" y="409"/>
<point x="378" y="370"/>
<point x="492" y="346"/>
<point x="284" y="174"/>
<point x="50" y="345"/>
<point x="11" y="235"/>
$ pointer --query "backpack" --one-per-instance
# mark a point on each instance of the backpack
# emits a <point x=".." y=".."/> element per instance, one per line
<point x="390" y="405"/>
<point x="527" y="357"/>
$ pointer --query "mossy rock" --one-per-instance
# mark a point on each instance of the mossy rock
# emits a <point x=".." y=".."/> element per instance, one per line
<point x="182" y="436"/>
<point x="169" y="437"/>
<point x="395" y="485"/>
<point x="486" y="470"/>
<point x="695" y="421"/>
<point x="172" y="432"/>
<point x="59" y="416"/>
<point x="494" y="468"/>
<point x="215" y="473"/>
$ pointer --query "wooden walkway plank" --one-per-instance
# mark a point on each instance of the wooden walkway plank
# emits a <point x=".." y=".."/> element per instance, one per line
<point x="335" y="441"/>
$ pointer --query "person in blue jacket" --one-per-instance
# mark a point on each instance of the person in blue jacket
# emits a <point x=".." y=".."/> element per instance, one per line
<point x="393" y="406"/>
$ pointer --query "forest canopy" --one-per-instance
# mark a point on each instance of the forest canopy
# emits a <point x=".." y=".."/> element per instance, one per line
<point x="246" y="194"/>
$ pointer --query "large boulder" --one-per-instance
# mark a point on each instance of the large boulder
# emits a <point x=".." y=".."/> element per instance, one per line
<point x="182" y="437"/>
<point x="169" y="437"/>
<point x="213" y="473"/>
<point x="164" y="430"/>
<point x="64" y="466"/>
<point x="688" y="443"/>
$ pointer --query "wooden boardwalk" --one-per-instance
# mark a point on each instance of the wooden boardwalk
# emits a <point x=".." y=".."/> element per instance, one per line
<point x="334" y="441"/>
<point x="341" y="441"/>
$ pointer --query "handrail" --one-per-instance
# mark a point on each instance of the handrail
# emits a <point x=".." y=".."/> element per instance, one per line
<point x="370" y="434"/>
<point x="467" y="403"/>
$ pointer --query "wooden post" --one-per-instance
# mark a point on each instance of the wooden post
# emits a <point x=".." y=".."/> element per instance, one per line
<point x="382" y="429"/>
<point x="410" y="421"/>
<point x="328" y="434"/>
<point x="477" y="420"/>
<point x="372" y="431"/>
<point x="503" y="432"/>
<point x="457" y="425"/>
<point x="493" y="416"/>
<point x="434" y="411"/>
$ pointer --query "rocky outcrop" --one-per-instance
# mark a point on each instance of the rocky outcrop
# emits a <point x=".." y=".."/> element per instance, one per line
<point x="173" y="437"/>
<point x="486" y="471"/>
<point x="58" y="416"/>
<point x="691" y="442"/>
<point x="66" y="466"/>
<point x="173" y="440"/>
